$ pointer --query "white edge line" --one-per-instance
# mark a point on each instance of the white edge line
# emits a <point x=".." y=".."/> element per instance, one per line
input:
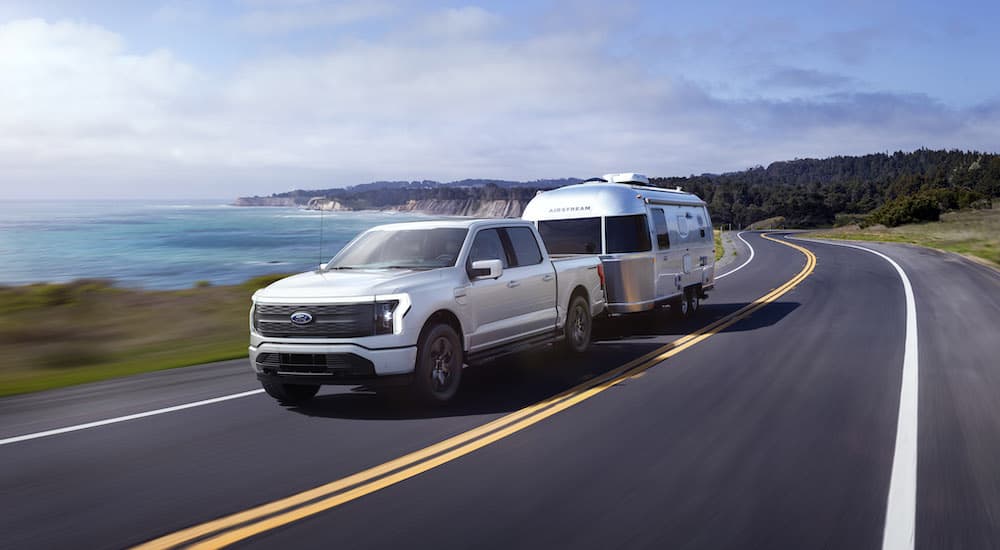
<point x="126" y="418"/>
<point x="742" y="265"/>
<point x="901" y="504"/>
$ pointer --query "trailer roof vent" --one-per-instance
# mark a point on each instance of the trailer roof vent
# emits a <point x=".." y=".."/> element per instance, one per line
<point x="627" y="177"/>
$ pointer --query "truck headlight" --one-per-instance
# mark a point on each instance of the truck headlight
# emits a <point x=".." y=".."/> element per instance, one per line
<point x="384" y="314"/>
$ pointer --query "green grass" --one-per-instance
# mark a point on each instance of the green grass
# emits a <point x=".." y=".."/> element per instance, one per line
<point x="719" y="251"/>
<point x="55" y="335"/>
<point x="777" y="222"/>
<point x="969" y="232"/>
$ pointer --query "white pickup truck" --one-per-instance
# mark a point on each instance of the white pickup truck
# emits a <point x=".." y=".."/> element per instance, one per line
<point x="412" y="303"/>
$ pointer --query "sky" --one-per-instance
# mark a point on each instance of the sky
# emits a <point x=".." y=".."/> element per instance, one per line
<point x="199" y="99"/>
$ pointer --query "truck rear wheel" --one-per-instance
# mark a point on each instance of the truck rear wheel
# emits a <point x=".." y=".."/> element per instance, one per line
<point x="291" y="394"/>
<point x="438" y="370"/>
<point x="579" y="325"/>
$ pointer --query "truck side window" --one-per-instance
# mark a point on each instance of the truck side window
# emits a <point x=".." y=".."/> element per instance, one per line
<point x="524" y="245"/>
<point x="660" y="223"/>
<point x="488" y="246"/>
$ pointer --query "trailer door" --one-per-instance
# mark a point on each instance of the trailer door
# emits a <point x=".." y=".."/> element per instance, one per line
<point x="663" y="263"/>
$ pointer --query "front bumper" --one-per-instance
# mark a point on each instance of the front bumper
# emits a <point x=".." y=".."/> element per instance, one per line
<point x="330" y="363"/>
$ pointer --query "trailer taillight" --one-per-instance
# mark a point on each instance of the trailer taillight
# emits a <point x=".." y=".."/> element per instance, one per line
<point x="600" y="274"/>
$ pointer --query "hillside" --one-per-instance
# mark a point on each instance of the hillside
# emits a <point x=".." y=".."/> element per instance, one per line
<point x="806" y="192"/>
<point x="812" y="192"/>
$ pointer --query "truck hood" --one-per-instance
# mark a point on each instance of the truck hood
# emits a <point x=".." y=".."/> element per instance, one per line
<point x="317" y="285"/>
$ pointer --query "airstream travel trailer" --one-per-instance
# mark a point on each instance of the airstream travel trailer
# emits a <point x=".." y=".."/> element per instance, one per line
<point x="655" y="244"/>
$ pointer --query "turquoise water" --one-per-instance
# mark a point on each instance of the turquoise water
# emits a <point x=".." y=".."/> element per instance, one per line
<point x="170" y="244"/>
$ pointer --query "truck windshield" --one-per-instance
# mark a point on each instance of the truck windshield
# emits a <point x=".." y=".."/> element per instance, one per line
<point x="402" y="249"/>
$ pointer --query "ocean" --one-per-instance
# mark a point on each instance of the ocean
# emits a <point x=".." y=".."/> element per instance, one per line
<point x="169" y="245"/>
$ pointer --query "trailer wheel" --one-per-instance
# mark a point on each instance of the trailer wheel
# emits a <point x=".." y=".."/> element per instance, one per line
<point x="438" y="370"/>
<point x="681" y="307"/>
<point x="579" y="325"/>
<point x="290" y="394"/>
<point x="693" y="300"/>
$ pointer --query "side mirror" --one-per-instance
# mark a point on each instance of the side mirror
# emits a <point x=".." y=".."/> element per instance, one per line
<point x="486" y="269"/>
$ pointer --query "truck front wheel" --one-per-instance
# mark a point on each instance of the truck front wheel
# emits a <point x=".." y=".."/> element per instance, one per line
<point x="578" y="325"/>
<point x="291" y="394"/>
<point x="439" y="364"/>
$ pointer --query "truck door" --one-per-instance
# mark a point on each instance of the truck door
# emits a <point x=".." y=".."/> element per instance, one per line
<point x="488" y="300"/>
<point x="534" y="283"/>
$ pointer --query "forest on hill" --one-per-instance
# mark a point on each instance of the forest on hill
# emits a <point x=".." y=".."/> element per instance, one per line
<point x="878" y="188"/>
<point x="813" y="192"/>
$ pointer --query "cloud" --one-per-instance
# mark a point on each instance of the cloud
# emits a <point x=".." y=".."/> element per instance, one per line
<point x="805" y="79"/>
<point x="79" y="108"/>
<point x="72" y="80"/>
<point x="465" y="21"/>
<point x="854" y="46"/>
<point x="281" y="18"/>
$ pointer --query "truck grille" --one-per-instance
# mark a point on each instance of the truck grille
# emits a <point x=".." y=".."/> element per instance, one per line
<point x="346" y="365"/>
<point x="329" y="321"/>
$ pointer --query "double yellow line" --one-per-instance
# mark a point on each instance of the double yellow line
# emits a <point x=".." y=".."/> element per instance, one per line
<point x="236" y="527"/>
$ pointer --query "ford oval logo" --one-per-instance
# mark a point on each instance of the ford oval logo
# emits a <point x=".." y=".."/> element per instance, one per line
<point x="302" y="318"/>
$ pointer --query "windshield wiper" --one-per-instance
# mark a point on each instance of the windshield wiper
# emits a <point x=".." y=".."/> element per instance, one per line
<point x="341" y="267"/>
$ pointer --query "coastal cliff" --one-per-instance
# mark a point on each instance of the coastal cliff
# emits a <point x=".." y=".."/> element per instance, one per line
<point x="473" y="198"/>
<point x="476" y="208"/>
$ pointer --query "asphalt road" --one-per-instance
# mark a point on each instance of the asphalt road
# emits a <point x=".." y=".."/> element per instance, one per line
<point x="776" y="431"/>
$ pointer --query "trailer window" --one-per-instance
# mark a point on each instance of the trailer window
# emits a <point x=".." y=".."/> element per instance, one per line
<point x="575" y="236"/>
<point x="660" y="224"/>
<point x="627" y="234"/>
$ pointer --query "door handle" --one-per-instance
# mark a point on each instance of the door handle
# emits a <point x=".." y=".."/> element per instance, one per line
<point x="512" y="284"/>
<point x="548" y="277"/>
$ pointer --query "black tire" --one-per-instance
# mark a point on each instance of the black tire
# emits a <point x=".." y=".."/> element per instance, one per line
<point x="438" y="371"/>
<point x="693" y="301"/>
<point x="290" y="394"/>
<point x="681" y="306"/>
<point x="579" y="325"/>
